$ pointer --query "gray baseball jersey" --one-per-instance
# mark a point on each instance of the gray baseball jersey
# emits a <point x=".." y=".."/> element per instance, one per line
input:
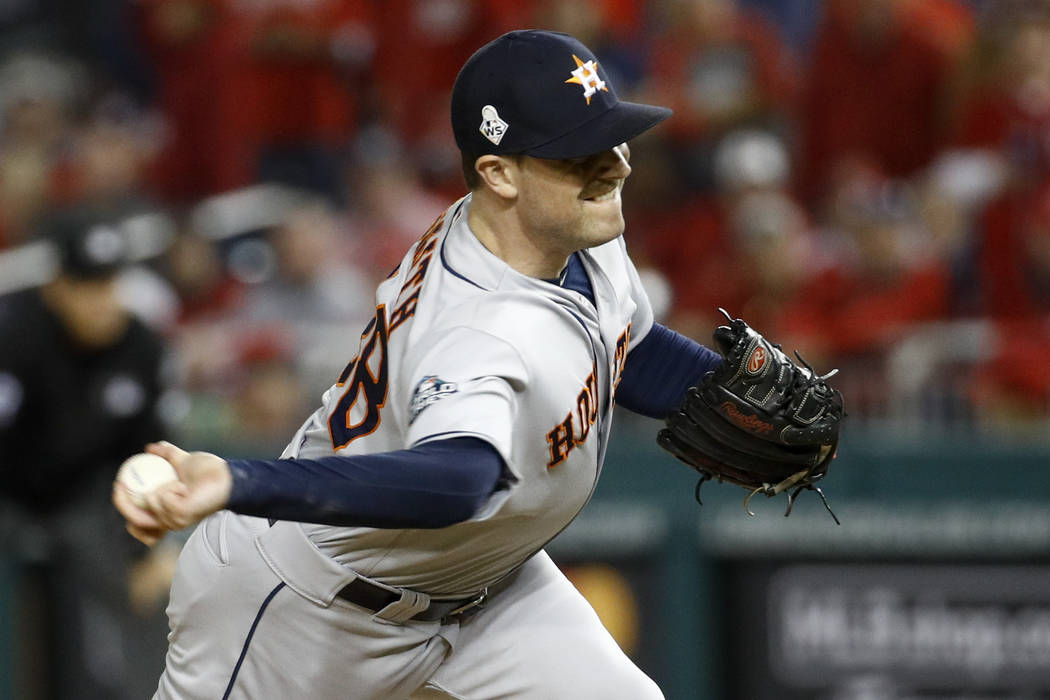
<point x="463" y="345"/>
<point x="460" y="345"/>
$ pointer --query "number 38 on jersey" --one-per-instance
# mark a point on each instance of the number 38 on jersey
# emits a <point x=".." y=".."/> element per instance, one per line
<point x="364" y="384"/>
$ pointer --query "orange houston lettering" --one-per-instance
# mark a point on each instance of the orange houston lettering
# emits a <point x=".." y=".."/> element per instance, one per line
<point x="560" y="441"/>
<point x="620" y="355"/>
<point x="419" y="271"/>
<point x="592" y="391"/>
<point x="419" y="268"/>
<point x="563" y="437"/>
<point x="405" y="311"/>
<point x="587" y="406"/>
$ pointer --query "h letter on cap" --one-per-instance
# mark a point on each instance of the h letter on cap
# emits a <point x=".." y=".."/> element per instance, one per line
<point x="586" y="74"/>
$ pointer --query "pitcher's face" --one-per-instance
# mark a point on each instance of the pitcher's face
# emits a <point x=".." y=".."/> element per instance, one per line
<point x="573" y="204"/>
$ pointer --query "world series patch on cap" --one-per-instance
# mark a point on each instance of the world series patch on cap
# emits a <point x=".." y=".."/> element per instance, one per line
<point x="542" y="94"/>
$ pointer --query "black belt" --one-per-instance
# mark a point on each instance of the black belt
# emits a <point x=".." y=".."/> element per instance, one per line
<point x="368" y="595"/>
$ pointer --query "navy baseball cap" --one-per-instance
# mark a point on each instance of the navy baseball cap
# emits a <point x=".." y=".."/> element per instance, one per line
<point x="542" y="94"/>
<point x="88" y="245"/>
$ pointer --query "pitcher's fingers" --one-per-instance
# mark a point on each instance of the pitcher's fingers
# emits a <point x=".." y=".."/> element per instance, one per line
<point x="135" y="515"/>
<point x="177" y="508"/>
<point x="165" y="449"/>
<point x="171" y="507"/>
<point x="155" y="498"/>
<point x="177" y="487"/>
<point x="161" y="509"/>
<point x="147" y="536"/>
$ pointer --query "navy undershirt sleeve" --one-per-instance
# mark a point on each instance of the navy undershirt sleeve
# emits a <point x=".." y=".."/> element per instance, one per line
<point x="660" y="369"/>
<point x="433" y="485"/>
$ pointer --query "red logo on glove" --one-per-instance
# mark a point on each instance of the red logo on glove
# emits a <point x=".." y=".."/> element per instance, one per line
<point x="749" y="422"/>
<point x="757" y="360"/>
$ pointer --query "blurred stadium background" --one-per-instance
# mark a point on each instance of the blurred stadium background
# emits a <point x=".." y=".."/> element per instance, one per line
<point x="865" y="180"/>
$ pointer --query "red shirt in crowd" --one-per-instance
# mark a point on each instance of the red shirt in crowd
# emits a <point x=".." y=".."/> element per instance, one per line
<point x="876" y="90"/>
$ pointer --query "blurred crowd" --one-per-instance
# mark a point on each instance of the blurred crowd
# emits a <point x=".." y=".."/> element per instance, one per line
<point x="197" y="198"/>
<point x="865" y="180"/>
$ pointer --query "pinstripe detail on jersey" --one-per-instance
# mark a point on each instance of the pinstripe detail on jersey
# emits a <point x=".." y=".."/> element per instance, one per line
<point x="453" y="272"/>
<point x="248" y="639"/>
<point x="444" y="260"/>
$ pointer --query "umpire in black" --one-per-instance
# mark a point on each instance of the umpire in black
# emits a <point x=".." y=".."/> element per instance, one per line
<point x="79" y="390"/>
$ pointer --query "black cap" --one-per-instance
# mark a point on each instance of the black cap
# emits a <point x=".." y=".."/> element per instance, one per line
<point x="542" y="94"/>
<point x="89" y="246"/>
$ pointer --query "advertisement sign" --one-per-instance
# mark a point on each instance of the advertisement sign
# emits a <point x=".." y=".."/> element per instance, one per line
<point x="863" y="631"/>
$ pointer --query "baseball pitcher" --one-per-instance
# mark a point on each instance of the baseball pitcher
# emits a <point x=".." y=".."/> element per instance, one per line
<point x="395" y="550"/>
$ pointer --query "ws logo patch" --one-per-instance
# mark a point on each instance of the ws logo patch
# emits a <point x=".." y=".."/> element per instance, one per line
<point x="429" y="390"/>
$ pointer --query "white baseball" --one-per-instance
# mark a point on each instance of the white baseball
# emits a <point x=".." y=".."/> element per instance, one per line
<point x="144" y="473"/>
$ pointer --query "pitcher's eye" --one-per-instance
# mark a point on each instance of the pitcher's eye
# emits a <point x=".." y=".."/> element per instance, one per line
<point x="581" y="162"/>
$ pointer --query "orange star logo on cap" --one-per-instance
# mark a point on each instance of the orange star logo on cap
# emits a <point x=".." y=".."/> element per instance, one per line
<point x="586" y="74"/>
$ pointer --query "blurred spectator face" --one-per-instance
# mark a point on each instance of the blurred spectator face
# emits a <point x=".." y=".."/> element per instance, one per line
<point x="1036" y="241"/>
<point x="381" y="176"/>
<point x="193" y="266"/>
<point x="36" y="94"/>
<point x="1038" y="245"/>
<point x="307" y="243"/>
<point x="879" y="243"/>
<point x="705" y="20"/>
<point x="36" y="122"/>
<point x="945" y="219"/>
<point x="380" y="185"/>
<point x="872" y="20"/>
<point x="271" y="401"/>
<point x="751" y="160"/>
<point x="180" y="21"/>
<point x="91" y="252"/>
<point x="32" y="125"/>
<point x="723" y="80"/>
<point x="1028" y="65"/>
<point x="770" y="230"/>
<point x="958" y="184"/>
<point x="109" y="160"/>
<point x="24" y="183"/>
<point x="88" y="308"/>
<point x="853" y="182"/>
<point x="269" y="397"/>
<point x="877" y="219"/>
<point x="582" y="19"/>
